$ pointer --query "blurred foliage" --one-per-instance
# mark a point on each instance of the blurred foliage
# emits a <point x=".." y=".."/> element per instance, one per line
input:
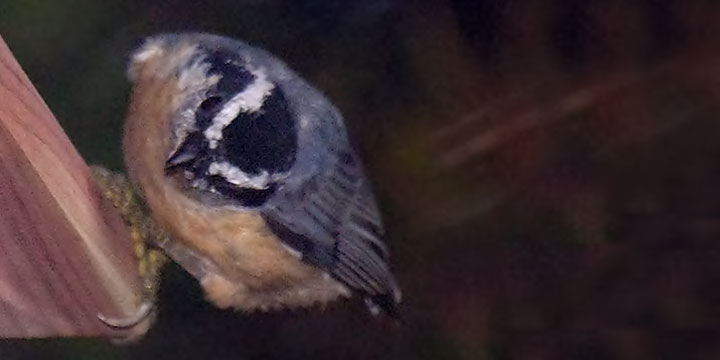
<point x="547" y="169"/>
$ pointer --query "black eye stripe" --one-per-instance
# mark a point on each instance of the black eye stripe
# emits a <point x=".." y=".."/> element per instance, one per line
<point x="257" y="142"/>
<point x="234" y="76"/>
<point x="265" y="140"/>
<point x="189" y="155"/>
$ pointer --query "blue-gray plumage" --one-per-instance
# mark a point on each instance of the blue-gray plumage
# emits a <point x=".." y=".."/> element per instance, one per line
<point x="261" y="139"/>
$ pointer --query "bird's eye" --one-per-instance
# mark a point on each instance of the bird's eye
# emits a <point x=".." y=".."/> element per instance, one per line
<point x="210" y="104"/>
<point x="207" y="110"/>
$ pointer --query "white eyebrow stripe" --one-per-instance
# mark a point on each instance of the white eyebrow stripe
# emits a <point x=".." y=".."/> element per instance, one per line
<point x="251" y="99"/>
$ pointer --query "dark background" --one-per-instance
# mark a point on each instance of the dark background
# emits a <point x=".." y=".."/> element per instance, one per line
<point x="548" y="170"/>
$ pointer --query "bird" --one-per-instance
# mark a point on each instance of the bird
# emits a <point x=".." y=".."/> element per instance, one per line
<point x="250" y="171"/>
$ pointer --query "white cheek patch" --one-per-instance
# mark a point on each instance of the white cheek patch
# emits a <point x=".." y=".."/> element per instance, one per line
<point x="247" y="101"/>
<point x="195" y="77"/>
<point x="234" y="175"/>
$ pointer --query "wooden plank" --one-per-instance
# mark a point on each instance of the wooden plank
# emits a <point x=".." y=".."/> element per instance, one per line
<point x="65" y="255"/>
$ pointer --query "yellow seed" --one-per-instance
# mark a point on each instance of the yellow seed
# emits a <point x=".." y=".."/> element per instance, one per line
<point x="135" y="235"/>
<point x="127" y="196"/>
<point x="157" y="259"/>
<point x="134" y="218"/>
<point x="152" y="256"/>
<point x="139" y="250"/>
<point x="142" y="268"/>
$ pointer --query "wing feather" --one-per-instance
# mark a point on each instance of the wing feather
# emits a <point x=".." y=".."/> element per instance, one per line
<point x="335" y="214"/>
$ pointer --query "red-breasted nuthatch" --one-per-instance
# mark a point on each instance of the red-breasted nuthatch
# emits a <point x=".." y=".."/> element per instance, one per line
<point x="249" y="169"/>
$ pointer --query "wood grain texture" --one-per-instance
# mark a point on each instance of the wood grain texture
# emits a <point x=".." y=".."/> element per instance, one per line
<point x="65" y="256"/>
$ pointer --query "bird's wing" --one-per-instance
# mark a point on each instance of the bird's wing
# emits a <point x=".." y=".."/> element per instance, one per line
<point x="331" y="218"/>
